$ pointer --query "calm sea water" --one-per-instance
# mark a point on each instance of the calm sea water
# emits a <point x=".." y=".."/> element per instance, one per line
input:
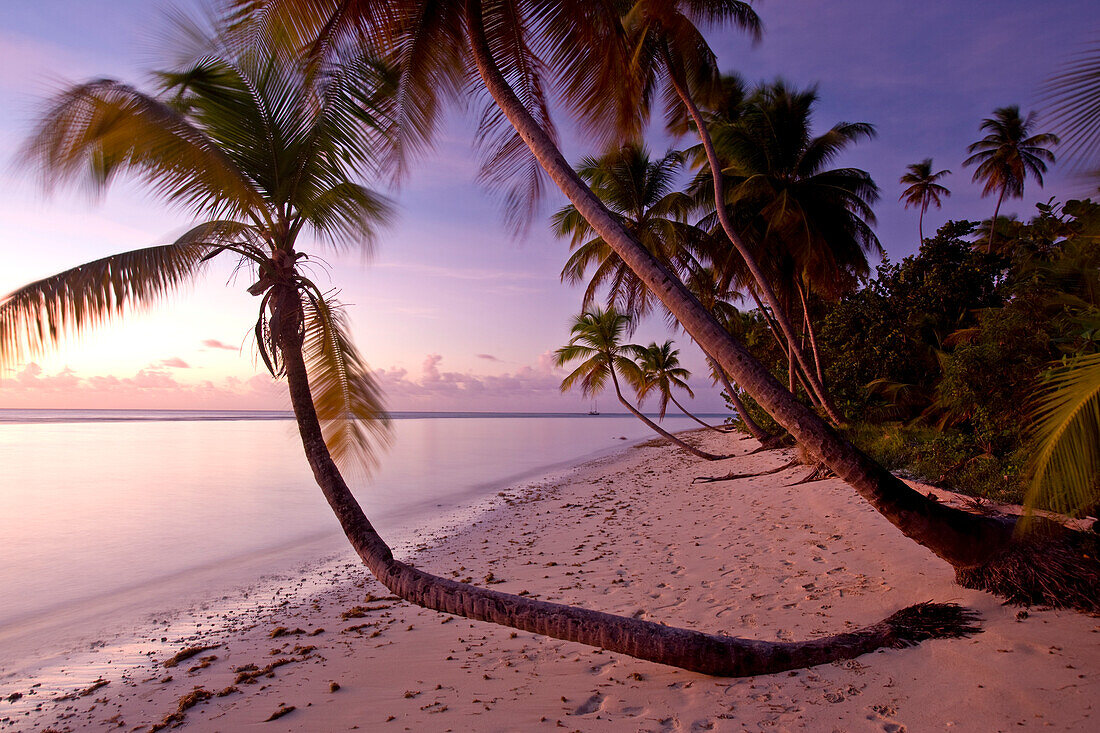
<point x="100" y="504"/>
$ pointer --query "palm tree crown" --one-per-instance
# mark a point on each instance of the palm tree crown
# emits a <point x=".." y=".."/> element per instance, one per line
<point x="661" y="372"/>
<point x="597" y="337"/>
<point x="923" y="189"/>
<point x="262" y="148"/>
<point x="639" y="192"/>
<point x="1008" y="154"/>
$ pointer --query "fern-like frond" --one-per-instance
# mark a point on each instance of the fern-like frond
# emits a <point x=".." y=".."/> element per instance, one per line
<point x="39" y="315"/>
<point x="1066" y="430"/>
<point x="345" y="394"/>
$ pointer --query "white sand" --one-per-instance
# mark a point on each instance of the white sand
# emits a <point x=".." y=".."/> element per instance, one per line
<point x="630" y="534"/>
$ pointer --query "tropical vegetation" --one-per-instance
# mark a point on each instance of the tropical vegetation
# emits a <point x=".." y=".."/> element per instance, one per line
<point x="259" y="144"/>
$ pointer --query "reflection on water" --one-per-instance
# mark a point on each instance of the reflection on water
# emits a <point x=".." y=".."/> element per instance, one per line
<point x="93" y="508"/>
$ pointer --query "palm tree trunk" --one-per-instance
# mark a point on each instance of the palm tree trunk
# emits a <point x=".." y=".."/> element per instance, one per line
<point x="792" y="372"/>
<point x="691" y="650"/>
<point x="920" y="221"/>
<point x="658" y="429"/>
<point x="739" y="244"/>
<point x="993" y="221"/>
<point x="751" y="425"/>
<point x="693" y="417"/>
<point x="813" y="338"/>
<point x="961" y="538"/>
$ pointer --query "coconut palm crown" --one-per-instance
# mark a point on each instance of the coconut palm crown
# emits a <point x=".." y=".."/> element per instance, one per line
<point x="661" y="372"/>
<point x="640" y="192"/>
<point x="923" y="190"/>
<point x="261" y="150"/>
<point x="1008" y="154"/>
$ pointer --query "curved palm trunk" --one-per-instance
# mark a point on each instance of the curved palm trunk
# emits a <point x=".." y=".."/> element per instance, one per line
<point x="751" y="425"/>
<point x="658" y="429"/>
<point x="920" y="221"/>
<point x="961" y="538"/>
<point x="691" y="650"/>
<point x="696" y="419"/>
<point x="812" y="335"/>
<point x="743" y="250"/>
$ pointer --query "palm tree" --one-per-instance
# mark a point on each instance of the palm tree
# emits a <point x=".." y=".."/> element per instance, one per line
<point x="596" y="337"/>
<point x="1008" y="154"/>
<point x="813" y="220"/>
<point x="509" y="49"/>
<point x="661" y="372"/>
<point x="666" y="43"/>
<point x="923" y="189"/>
<point x="639" y="191"/>
<point x="261" y="148"/>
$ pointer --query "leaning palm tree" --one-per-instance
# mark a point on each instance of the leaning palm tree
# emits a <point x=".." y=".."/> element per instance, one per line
<point x="261" y="147"/>
<point x="923" y="190"/>
<point x="513" y="53"/>
<point x="597" y="337"/>
<point x="1008" y="154"/>
<point x="662" y="373"/>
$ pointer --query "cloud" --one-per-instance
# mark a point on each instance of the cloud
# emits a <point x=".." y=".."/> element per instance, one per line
<point x="215" y="344"/>
<point x="487" y="357"/>
<point x="174" y="363"/>
<point x="152" y="387"/>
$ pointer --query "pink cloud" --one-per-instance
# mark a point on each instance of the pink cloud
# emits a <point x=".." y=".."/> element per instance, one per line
<point x="215" y="344"/>
<point x="487" y="357"/>
<point x="174" y="363"/>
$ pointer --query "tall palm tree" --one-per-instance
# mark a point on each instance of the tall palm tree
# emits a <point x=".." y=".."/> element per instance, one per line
<point x="923" y="190"/>
<point x="596" y="337"/>
<point x="667" y="45"/>
<point x="813" y="219"/>
<point x="662" y="373"/>
<point x="1008" y="154"/>
<point x="507" y="50"/>
<point x="261" y="148"/>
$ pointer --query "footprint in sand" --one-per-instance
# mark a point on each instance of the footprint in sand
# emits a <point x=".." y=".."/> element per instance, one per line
<point x="591" y="705"/>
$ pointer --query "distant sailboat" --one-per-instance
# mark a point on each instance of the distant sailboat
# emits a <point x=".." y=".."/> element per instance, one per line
<point x="595" y="408"/>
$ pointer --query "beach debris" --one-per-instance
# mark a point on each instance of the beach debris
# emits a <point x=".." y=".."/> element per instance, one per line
<point x="361" y="611"/>
<point x="204" y="662"/>
<point x="187" y="653"/>
<point x="224" y="692"/>
<point x="190" y="700"/>
<point x="284" y="709"/>
<point x="14" y="696"/>
<point x="333" y="686"/>
<point x="283" y="631"/>
<point x="249" y="673"/>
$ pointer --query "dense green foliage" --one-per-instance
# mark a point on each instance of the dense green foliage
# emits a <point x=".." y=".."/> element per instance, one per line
<point x="937" y="360"/>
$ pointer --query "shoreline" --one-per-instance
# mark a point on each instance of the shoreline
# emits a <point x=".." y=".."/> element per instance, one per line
<point x="625" y="533"/>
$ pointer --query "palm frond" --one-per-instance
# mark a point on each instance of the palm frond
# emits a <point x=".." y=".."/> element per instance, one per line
<point x="101" y="128"/>
<point x="1066" y="430"/>
<point x="345" y="394"/>
<point x="39" y="315"/>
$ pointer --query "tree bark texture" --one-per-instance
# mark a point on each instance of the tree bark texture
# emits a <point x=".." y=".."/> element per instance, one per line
<point x="692" y="650"/>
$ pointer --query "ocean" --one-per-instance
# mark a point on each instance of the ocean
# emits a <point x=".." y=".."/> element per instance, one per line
<point x="112" y="517"/>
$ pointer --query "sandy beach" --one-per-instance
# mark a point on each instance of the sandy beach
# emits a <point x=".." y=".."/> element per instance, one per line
<point x="628" y="534"/>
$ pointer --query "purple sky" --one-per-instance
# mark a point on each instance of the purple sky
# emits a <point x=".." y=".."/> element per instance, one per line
<point x="456" y="313"/>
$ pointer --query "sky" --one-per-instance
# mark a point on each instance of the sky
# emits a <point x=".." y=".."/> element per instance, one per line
<point x="451" y="309"/>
